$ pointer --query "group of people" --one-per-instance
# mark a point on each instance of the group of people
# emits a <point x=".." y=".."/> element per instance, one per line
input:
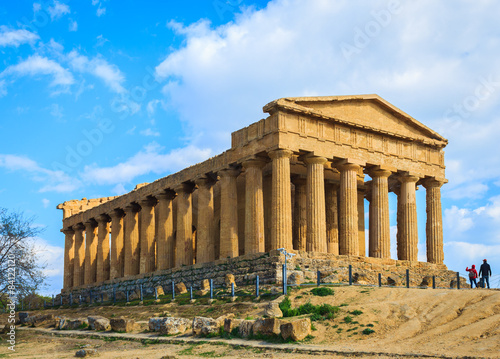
<point x="484" y="274"/>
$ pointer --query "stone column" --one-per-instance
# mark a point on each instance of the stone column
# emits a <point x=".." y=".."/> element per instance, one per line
<point x="69" y="256"/>
<point x="205" y="226"/>
<point x="102" y="248"/>
<point x="228" y="214"/>
<point x="117" y="244"/>
<point x="165" y="234"/>
<point x="281" y="211"/>
<point x="254" y="207"/>
<point x="361" y="223"/>
<point x="147" y="236"/>
<point x="407" y="221"/>
<point x="315" y="203"/>
<point x="131" y="241"/>
<point x="332" y="218"/>
<point x="184" y="237"/>
<point x="434" y="225"/>
<point x="90" y="251"/>
<point x="79" y="262"/>
<point x="348" y="210"/>
<point x="300" y="215"/>
<point x="379" y="231"/>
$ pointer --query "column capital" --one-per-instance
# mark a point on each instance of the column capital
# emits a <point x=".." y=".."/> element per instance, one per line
<point x="312" y="159"/>
<point x="347" y="166"/>
<point x="280" y="153"/>
<point x="131" y="207"/>
<point x="68" y="231"/>
<point x="204" y="181"/>
<point x="91" y="223"/>
<point x="405" y="178"/>
<point x="102" y="218"/>
<point x="433" y="182"/>
<point x="116" y="213"/>
<point x="185" y="187"/>
<point x="78" y="227"/>
<point x="229" y="172"/>
<point x="379" y="172"/>
<point x="166" y="194"/>
<point x="254" y="162"/>
<point x="147" y="202"/>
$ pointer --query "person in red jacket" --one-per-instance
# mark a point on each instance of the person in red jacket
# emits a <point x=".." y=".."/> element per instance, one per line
<point x="472" y="275"/>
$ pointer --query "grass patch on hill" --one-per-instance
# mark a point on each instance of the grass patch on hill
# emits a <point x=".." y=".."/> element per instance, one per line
<point x="317" y="312"/>
<point x="322" y="291"/>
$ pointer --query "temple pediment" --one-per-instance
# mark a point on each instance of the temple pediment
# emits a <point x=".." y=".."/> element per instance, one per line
<point x="369" y="112"/>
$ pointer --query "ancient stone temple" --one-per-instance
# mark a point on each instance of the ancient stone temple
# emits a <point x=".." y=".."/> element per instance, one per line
<point x="293" y="180"/>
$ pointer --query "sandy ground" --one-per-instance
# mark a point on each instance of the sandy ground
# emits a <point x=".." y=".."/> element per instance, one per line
<point x="406" y="323"/>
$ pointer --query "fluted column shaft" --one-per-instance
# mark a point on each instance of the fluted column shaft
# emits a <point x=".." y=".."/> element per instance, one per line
<point x="79" y="262"/>
<point x="332" y="218"/>
<point x="254" y="211"/>
<point x="184" y="238"/>
<point x="281" y="211"/>
<point x="103" y="265"/>
<point x="379" y="230"/>
<point x="348" y="210"/>
<point x="165" y="234"/>
<point x="407" y="221"/>
<point x="147" y="236"/>
<point x="315" y="203"/>
<point x="69" y="257"/>
<point x="205" y="225"/>
<point x="434" y="224"/>
<point x="300" y="215"/>
<point x="90" y="252"/>
<point x="117" y="245"/>
<point x="131" y="240"/>
<point x="228" y="214"/>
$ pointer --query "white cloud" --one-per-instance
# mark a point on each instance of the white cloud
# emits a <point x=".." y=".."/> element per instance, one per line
<point x="110" y="74"/>
<point x="53" y="181"/>
<point x="52" y="256"/>
<point x="57" y="10"/>
<point x="39" y="65"/>
<point x="457" y="220"/>
<point x="100" y="11"/>
<point x="9" y="37"/>
<point x="45" y="202"/>
<point x="73" y="25"/>
<point x="148" y="160"/>
<point x="37" y="7"/>
<point x="56" y="110"/>
<point x="150" y="132"/>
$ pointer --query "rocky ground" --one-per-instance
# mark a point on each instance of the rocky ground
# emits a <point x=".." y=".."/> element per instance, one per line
<point x="405" y="322"/>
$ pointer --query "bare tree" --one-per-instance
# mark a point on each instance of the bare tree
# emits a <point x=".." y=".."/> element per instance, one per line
<point x="18" y="250"/>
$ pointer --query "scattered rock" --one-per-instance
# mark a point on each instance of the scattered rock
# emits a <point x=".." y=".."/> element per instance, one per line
<point x="272" y="309"/>
<point x="169" y="325"/>
<point x="121" y="324"/>
<point x="159" y="290"/>
<point x="229" y="279"/>
<point x="205" y="284"/>
<point x="360" y="278"/>
<point x="102" y="324"/>
<point x="180" y="288"/>
<point x="333" y="278"/>
<point x="134" y="295"/>
<point x="296" y="278"/>
<point x="297" y="330"/>
<point x="245" y="328"/>
<point x="61" y="323"/>
<point x="231" y="323"/>
<point x="75" y="324"/>
<point x="40" y="319"/>
<point x="92" y="319"/>
<point x="267" y="326"/>
<point x="205" y="326"/>
<point x="82" y="353"/>
<point x="392" y="280"/>
<point x="23" y="317"/>
<point x="141" y="326"/>
<point x="426" y="281"/>
<point x="220" y="320"/>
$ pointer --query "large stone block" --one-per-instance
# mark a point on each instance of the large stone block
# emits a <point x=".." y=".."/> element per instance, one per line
<point x="92" y="319"/>
<point x="205" y="326"/>
<point x="40" y="319"/>
<point x="75" y="324"/>
<point x="296" y="330"/>
<point x="245" y="328"/>
<point x="180" y="288"/>
<point x="169" y="325"/>
<point x="267" y="326"/>
<point x="23" y="317"/>
<point x="231" y="323"/>
<point x="228" y="279"/>
<point x="122" y="325"/>
<point x="272" y="309"/>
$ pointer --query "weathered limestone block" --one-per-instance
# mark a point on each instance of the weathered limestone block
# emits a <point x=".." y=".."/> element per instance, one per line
<point x="172" y="326"/>
<point x="245" y="328"/>
<point x="180" y="288"/>
<point x="159" y="290"/>
<point x="123" y="325"/>
<point x="267" y="326"/>
<point x="205" y="326"/>
<point x="205" y="284"/>
<point x="228" y="279"/>
<point x="141" y="326"/>
<point x="296" y="330"/>
<point x="40" y="319"/>
<point x="272" y="309"/>
<point x="426" y="281"/>
<point x="231" y="323"/>
<point x="295" y="278"/>
<point x="393" y="280"/>
<point x="87" y="352"/>
<point x="75" y="324"/>
<point x="23" y="317"/>
<point x="102" y="324"/>
<point x="92" y="319"/>
<point x="61" y="323"/>
<point x="361" y="278"/>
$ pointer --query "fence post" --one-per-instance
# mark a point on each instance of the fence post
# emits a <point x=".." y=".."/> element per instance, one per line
<point x="44" y="304"/>
<point x="284" y="279"/>
<point x="70" y="298"/>
<point x="191" y="292"/>
<point x="173" y="290"/>
<point x="29" y="306"/>
<point x="114" y="295"/>
<point x="350" y="274"/>
<point x="127" y="296"/>
<point x="257" y="286"/>
<point x="140" y="288"/>
<point x="458" y="280"/>
<point x="22" y="304"/>
<point x="232" y="290"/>
<point x="90" y="295"/>
<point x="433" y="282"/>
<point x="156" y="293"/>
<point x="211" y="288"/>
<point x="318" y="278"/>
<point x="380" y="280"/>
<point x="80" y="299"/>
<point x="52" y="300"/>
<point x="407" y="278"/>
<point x="102" y="297"/>
<point x="61" y="300"/>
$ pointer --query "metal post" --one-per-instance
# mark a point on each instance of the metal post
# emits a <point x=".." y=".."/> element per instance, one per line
<point x="191" y="292"/>
<point x="433" y="282"/>
<point x="232" y="290"/>
<point x="90" y="295"/>
<point x="284" y="279"/>
<point x="114" y="295"/>
<point x="61" y="300"/>
<point x="318" y="278"/>
<point x="350" y="274"/>
<point x="140" y="287"/>
<point x="80" y="299"/>
<point x="29" y="306"/>
<point x="22" y="304"/>
<point x="127" y="296"/>
<point x="407" y="278"/>
<point x="52" y="300"/>
<point x="380" y="280"/>
<point x="173" y="290"/>
<point x="70" y="298"/>
<point x="156" y="293"/>
<point x="102" y="298"/>
<point x="458" y="280"/>
<point x="44" y="304"/>
<point x="211" y="288"/>
<point x="257" y="286"/>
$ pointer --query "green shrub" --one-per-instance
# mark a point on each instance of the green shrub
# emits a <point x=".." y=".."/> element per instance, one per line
<point x="322" y="291"/>
<point x="356" y="312"/>
<point x="368" y="331"/>
<point x="347" y="319"/>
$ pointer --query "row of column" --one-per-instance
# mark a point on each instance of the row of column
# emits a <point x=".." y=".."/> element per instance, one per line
<point x="152" y="246"/>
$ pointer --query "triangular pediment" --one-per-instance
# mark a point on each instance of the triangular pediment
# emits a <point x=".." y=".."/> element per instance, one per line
<point x="366" y="111"/>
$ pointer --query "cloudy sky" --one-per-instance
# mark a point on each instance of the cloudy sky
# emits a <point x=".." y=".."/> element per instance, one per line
<point x="99" y="95"/>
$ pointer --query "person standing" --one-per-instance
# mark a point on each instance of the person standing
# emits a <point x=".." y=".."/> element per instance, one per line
<point x="472" y="275"/>
<point x="485" y="272"/>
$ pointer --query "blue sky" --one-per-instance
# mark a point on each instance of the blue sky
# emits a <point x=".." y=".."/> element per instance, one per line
<point x="97" y="96"/>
